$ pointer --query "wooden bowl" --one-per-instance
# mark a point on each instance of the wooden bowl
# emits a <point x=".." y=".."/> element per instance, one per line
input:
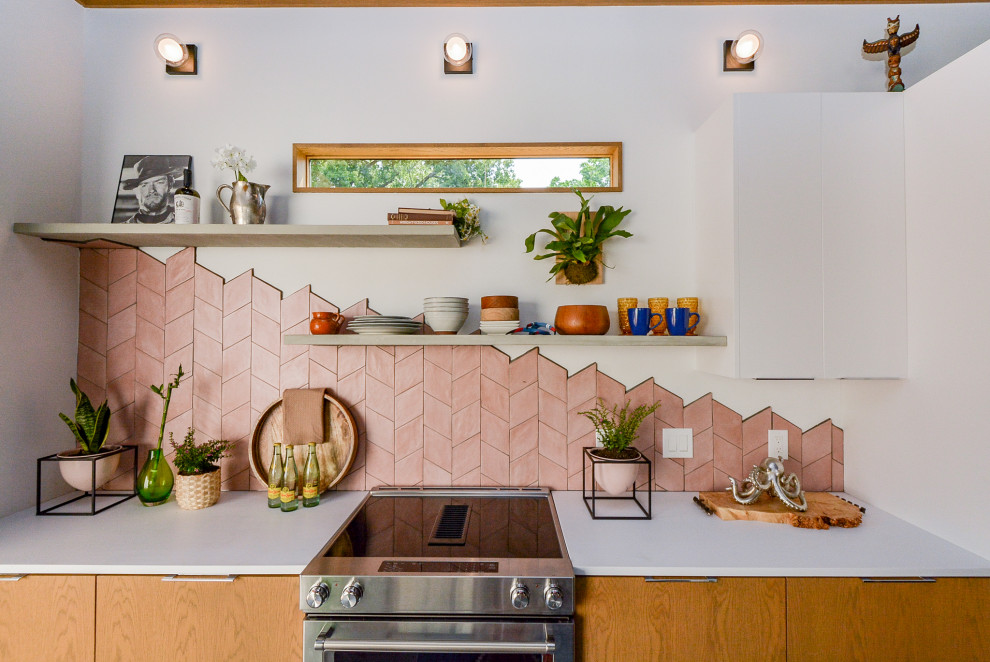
<point x="582" y="320"/>
<point x="500" y="301"/>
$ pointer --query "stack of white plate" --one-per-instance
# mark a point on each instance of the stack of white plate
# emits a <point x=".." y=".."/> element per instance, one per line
<point x="445" y="315"/>
<point x="498" y="328"/>
<point x="384" y="324"/>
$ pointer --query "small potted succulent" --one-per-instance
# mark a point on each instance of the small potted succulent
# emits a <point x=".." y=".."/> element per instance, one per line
<point x="577" y="238"/>
<point x="615" y="430"/>
<point x="91" y="428"/>
<point x="465" y="219"/>
<point x="198" y="483"/>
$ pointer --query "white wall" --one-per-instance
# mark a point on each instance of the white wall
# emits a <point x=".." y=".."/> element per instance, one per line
<point x="271" y="77"/>
<point x="41" y="93"/>
<point x="920" y="449"/>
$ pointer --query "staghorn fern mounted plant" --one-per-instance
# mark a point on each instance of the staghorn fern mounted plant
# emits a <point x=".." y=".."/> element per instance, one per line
<point x="91" y="426"/>
<point x="576" y="243"/>
<point x="617" y="429"/>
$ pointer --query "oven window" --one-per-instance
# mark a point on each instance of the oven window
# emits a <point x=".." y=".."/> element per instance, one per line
<point x="439" y="657"/>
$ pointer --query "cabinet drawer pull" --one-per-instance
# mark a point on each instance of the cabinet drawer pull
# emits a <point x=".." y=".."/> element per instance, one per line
<point x="898" y="580"/>
<point x="12" y="578"/>
<point x="196" y="578"/>
<point x="682" y="580"/>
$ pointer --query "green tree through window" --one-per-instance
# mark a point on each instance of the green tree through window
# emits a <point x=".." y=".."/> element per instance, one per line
<point x="594" y="172"/>
<point x="414" y="173"/>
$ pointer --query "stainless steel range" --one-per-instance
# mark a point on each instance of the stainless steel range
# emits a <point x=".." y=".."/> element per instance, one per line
<point x="442" y="575"/>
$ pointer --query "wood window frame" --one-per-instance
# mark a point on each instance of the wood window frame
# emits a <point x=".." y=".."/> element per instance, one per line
<point x="302" y="153"/>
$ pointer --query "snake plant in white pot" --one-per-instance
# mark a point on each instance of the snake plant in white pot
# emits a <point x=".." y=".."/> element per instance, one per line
<point x="91" y="428"/>
<point x="615" y="430"/>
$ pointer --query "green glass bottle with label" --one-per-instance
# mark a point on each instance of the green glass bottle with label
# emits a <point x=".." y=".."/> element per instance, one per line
<point x="311" y="479"/>
<point x="289" y="500"/>
<point x="275" y="475"/>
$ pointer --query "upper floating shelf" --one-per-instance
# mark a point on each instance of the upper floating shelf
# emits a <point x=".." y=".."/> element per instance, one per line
<point x="108" y="235"/>
<point x="519" y="339"/>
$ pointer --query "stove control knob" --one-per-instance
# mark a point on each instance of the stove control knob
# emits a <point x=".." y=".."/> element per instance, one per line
<point x="351" y="595"/>
<point x="318" y="595"/>
<point x="554" y="596"/>
<point x="519" y="596"/>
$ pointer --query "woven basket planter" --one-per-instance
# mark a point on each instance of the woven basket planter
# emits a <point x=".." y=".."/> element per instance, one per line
<point x="200" y="491"/>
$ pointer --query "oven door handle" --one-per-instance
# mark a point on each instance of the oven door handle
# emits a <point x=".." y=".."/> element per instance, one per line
<point x="432" y="638"/>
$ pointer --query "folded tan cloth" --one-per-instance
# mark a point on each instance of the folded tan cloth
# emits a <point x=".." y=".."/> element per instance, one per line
<point x="302" y="410"/>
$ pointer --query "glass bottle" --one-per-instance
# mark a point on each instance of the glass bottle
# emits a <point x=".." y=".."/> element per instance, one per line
<point x="155" y="480"/>
<point x="289" y="500"/>
<point x="275" y="475"/>
<point x="186" y="201"/>
<point x="311" y="480"/>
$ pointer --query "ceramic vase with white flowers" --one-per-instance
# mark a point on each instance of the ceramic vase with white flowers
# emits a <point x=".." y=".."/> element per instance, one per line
<point x="247" y="199"/>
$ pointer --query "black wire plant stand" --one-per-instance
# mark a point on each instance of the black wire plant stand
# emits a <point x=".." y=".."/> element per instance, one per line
<point x="591" y="496"/>
<point x="118" y="496"/>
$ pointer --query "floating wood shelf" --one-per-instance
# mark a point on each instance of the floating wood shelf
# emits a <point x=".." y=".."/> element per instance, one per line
<point x="521" y="339"/>
<point x="108" y="235"/>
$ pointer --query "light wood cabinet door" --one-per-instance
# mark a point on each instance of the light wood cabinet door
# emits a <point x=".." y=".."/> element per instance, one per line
<point x="847" y="619"/>
<point x="145" y="618"/>
<point x="47" y="618"/>
<point x="632" y="619"/>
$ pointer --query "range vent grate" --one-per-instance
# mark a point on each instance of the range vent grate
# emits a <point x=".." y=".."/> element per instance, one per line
<point x="450" y="528"/>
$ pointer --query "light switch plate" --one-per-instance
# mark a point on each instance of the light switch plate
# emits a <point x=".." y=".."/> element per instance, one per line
<point x="777" y="443"/>
<point x="678" y="442"/>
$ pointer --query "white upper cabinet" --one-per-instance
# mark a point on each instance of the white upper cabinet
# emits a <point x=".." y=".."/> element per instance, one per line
<point x="800" y="217"/>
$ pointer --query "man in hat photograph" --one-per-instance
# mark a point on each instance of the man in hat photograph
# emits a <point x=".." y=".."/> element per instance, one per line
<point x="147" y="188"/>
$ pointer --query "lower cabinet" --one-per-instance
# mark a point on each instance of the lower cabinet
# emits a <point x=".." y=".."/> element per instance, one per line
<point x="44" y="618"/>
<point x="141" y="617"/>
<point x="636" y="619"/>
<point x="849" y="619"/>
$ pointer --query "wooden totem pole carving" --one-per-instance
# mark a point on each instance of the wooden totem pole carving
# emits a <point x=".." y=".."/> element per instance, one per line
<point x="892" y="47"/>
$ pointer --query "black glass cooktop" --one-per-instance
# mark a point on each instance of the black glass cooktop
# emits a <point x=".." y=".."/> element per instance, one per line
<point x="412" y="527"/>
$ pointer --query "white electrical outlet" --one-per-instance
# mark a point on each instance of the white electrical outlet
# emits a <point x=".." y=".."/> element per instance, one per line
<point x="678" y="442"/>
<point x="777" y="443"/>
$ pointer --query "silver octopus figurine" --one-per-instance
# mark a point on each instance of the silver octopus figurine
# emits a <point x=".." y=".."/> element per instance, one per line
<point x="770" y="476"/>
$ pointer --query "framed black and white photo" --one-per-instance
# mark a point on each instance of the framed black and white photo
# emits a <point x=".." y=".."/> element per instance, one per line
<point x="146" y="193"/>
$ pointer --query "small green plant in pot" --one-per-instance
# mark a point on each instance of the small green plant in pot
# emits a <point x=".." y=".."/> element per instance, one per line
<point x="465" y="219"/>
<point x="91" y="427"/>
<point x="198" y="483"/>
<point x="576" y="243"/>
<point x="616" y="429"/>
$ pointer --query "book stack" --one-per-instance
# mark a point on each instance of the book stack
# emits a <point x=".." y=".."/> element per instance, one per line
<point x="410" y="216"/>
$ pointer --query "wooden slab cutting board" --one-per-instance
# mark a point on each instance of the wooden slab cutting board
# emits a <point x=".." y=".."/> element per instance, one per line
<point x="824" y="510"/>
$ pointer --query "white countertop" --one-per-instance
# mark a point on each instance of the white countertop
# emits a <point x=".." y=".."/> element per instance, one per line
<point x="681" y="540"/>
<point x="241" y="535"/>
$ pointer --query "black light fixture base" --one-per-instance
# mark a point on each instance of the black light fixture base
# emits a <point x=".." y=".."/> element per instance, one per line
<point x="187" y="68"/>
<point x="466" y="68"/>
<point x="730" y="63"/>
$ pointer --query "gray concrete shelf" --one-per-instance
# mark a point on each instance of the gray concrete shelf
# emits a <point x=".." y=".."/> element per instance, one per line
<point x="108" y="235"/>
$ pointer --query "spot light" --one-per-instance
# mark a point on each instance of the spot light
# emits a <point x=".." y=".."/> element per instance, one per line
<point x="458" y="55"/>
<point x="179" y="58"/>
<point x="740" y="53"/>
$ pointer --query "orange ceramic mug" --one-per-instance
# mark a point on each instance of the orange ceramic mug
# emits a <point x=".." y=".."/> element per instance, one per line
<point x="325" y="323"/>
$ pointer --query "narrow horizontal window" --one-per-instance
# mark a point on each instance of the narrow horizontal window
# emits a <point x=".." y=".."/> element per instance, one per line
<point x="454" y="167"/>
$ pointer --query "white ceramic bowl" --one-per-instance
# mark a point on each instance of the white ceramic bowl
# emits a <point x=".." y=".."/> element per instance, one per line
<point x="445" y="300"/>
<point x="445" y="322"/>
<point x="498" y="327"/>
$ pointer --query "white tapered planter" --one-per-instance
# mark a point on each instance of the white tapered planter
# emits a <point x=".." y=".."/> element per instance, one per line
<point x="616" y="477"/>
<point x="79" y="473"/>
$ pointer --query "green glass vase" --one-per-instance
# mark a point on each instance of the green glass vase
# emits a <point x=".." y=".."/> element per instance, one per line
<point x="154" y="482"/>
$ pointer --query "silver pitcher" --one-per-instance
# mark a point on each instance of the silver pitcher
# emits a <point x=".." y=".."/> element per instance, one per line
<point x="247" y="202"/>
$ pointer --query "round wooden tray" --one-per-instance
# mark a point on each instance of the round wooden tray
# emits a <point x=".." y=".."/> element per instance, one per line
<point x="336" y="454"/>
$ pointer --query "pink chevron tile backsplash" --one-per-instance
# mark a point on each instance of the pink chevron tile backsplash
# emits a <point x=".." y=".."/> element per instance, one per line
<point x="425" y="415"/>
